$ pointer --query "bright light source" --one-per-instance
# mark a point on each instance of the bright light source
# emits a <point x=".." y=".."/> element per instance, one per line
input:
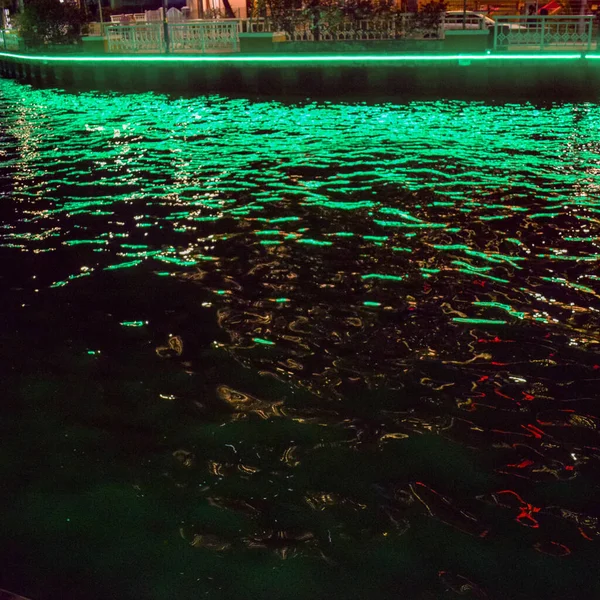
<point x="388" y="58"/>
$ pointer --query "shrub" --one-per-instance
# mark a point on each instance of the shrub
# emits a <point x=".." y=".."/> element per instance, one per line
<point x="430" y="15"/>
<point x="50" y="23"/>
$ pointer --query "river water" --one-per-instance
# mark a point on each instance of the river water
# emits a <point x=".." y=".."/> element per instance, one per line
<point x="257" y="349"/>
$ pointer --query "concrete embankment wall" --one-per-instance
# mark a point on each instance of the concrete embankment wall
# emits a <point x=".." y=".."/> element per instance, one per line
<point x="481" y="76"/>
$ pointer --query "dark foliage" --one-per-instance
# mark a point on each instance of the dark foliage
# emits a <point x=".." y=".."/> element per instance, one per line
<point x="50" y="23"/>
<point x="430" y="15"/>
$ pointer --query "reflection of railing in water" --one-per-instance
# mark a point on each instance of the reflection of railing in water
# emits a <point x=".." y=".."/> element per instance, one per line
<point x="201" y="36"/>
<point x="543" y="31"/>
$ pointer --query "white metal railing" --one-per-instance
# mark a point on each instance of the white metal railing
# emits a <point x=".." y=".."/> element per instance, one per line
<point x="403" y="25"/>
<point x="146" y="38"/>
<point x="205" y="36"/>
<point x="242" y="25"/>
<point x="131" y="18"/>
<point x="258" y="25"/>
<point x="211" y="35"/>
<point x="544" y="31"/>
<point x="301" y="30"/>
<point x="200" y="36"/>
<point x="9" y="39"/>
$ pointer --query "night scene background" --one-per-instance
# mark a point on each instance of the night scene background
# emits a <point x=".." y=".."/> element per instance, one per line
<point x="297" y="349"/>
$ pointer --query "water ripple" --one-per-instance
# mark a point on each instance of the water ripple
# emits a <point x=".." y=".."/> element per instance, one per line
<point x="412" y="288"/>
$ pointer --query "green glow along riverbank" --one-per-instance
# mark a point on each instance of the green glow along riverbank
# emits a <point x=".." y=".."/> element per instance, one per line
<point x="470" y="75"/>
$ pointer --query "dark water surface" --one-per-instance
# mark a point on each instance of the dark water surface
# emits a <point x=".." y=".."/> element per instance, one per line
<point x="298" y="351"/>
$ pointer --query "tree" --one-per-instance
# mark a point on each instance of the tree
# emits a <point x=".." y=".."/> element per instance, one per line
<point x="50" y="22"/>
<point x="430" y="15"/>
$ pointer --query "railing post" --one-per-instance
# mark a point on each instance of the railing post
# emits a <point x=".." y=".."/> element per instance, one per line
<point x="166" y="26"/>
<point x="590" y="26"/>
<point x="496" y="25"/>
<point x="543" y="33"/>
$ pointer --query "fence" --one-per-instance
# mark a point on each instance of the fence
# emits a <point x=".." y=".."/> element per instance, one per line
<point x="9" y="39"/>
<point x="210" y="35"/>
<point x="130" y="18"/>
<point x="542" y="31"/>
<point x="401" y="26"/>
<point x="259" y="25"/>
<point x="206" y="36"/>
<point x="201" y="36"/>
<point x="147" y="38"/>
<point x="303" y="30"/>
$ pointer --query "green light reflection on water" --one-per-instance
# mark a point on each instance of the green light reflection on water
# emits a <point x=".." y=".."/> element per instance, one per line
<point x="506" y="307"/>
<point x="200" y="175"/>
<point x="176" y="261"/>
<point x="400" y="213"/>
<point x="314" y="242"/>
<point x="376" y="238"/>
<point x="125" y="265"/>
<point x="133" y="323"/>
<point x="549" y="215"/>
<point x="565" y="282"/>
<point x="263" y="341"/>
<point x="592" y="258"/>
<point x="343" y="205"/>
<point x="386" y="277"/>
<point x="471" y="267"/>
<point x="479" y="321"/>
<point x="490" y="257"/>
<point x="493" y="217"/>
<point x="484" y="275"/>
<point x="81" y="242"/>
<point x="403" y="224"/>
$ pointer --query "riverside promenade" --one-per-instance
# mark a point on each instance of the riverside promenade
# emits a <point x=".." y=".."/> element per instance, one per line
<point x="481" y="75"/>
<point x="552" y="58"/>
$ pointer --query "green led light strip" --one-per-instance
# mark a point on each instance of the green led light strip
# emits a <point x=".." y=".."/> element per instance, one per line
<point x="297" y="59"/>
